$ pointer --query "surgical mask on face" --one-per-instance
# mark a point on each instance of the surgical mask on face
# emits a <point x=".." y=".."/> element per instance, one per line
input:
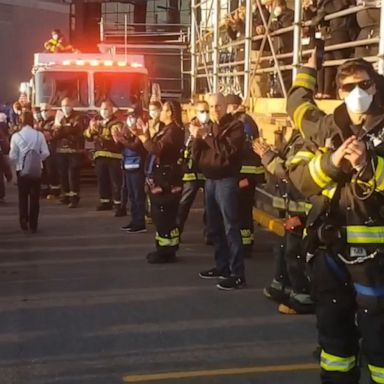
<point x="67" y="111"/>
<point x="358" y="101"/>
<point x="45" y="115"/>
<point x="104" y="114"/>
<point x="203" y="117"/>
<point x="131" y="121"/>
<point x="277" y="11"/>
<point x="154" y="114"/>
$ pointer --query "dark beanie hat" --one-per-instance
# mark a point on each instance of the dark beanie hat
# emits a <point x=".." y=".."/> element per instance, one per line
<point x="233" y="99"/>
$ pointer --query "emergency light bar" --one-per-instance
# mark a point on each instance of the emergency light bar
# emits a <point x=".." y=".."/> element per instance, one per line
<point x="97" y="63"/>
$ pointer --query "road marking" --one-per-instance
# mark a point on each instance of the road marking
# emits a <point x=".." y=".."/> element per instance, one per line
<point x="219" y="372"/>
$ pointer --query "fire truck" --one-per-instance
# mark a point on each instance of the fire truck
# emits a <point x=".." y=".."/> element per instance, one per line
<point x="88" y="79"/>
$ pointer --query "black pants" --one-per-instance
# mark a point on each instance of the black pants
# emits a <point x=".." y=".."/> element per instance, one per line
<point x="246" y="203"/>
<point x="29" y="203"/>
<point x="341" y="292"/>
<point x="164" y="207"/>
<point x="190" y="189"/>
<point x="2" y="184"/>
<point x="109" y="179"/>
<point x="69" y="167"/>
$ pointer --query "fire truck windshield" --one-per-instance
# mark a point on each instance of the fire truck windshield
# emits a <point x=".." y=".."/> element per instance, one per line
<point x="123" y="89"/>
<point x="52" y="87"/>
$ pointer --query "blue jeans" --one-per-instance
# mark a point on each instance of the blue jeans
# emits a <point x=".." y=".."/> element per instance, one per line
<point x="222" y="207"/>
<point x="133" y="183"/>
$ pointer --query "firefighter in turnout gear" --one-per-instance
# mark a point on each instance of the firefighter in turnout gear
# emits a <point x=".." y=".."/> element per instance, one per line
<point x="193" y="180"/>
<point x="290" y="285"/>
<point x="108" y="157"/>
<point x="251" y="172"/>
<point x="340" y="171"/>
<point x="164" y="179"/>
<point x="50" y="169"/>
<point x="69" y="139"/>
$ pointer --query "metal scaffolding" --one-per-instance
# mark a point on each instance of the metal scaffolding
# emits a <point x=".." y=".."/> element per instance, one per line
<point x="216" y="67"/>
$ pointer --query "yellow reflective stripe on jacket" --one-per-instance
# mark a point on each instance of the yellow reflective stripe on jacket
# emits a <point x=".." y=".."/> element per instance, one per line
<point x="377" y="373"/>
<point x="168" y="241"/>
<point x="200" y="176"/>
<point x="189" y="177"/>
<point x="252" y="170"/>
<point x="305" y="80"/>
<point x="329" y="191"/>
<point x="379" y="174"/>
<point x="246" y="236"/>
<point x="293" y="206"/>
<point x="318" y="175"/>
<point x="87" y="133"/>
<point x="299" y="113"/>
<point x="362" y="234"/>
<point x="299" y="156"/>
<point x="110" y="155"/>
<point x="336" y="363"/>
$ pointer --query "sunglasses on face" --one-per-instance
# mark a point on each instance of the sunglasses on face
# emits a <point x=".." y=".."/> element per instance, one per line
<point x="364" y="84"/>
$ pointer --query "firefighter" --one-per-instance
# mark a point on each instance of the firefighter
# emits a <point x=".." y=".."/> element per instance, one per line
<point x="340" y="171"/>
<point x="108" y="156"/>
<point x="164" y="178"/>
<point x="251" y="172"/>
<point x="53" y="44"/>
<point x="68" y="135"/>
<point x="50" y="169"/>
<point x="193" y="180"/>
<point x="290" y="286"/>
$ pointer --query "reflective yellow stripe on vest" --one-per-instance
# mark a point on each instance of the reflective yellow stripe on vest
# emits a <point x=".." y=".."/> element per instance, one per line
<point x="246" y="236"/>
<point x="300" y="156"/>
<point x="252" y="170"/>
<point x="299" y="113"/>
<point x="171" y="241"/>
<point x="361" y="234"/>
<point x="189" y="176"/>
<point x="110" y="155"/>
<point x="377" y="374"/>
<point x="319" y="177"/>
<point x="336" y="363"/>
<point x="305" y="80"/>
<point x="379" y="174"/>
<point x="329" y="191"/>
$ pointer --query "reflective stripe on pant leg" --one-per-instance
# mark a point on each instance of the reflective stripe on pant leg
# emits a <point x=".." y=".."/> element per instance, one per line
<point x="377" y="373"/>
<point x="335" y="363"/>
<point x="171" y="240"/>
<point x="246" y="236"/>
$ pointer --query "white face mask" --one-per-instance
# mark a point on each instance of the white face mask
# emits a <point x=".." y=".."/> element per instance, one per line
<point x="66" y="110"/>
<point x="131" y="121"/>
<point x="358" y="101"/>
<point x="45" y="115"/>
<point x="277" y="11"/>
<point x="203" y="117"/>
<point x="105" y="114"/>
<point x="154" y="114"/>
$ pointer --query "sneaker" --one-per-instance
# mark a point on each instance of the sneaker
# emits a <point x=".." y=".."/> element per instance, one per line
<point x="231" y="283"/>
<point x="126" y="227"/>
<point x="213" y="274"/>
<point x="134" y="229"/>
<point x="277" y="292"/>
<point x="297" y="307"/>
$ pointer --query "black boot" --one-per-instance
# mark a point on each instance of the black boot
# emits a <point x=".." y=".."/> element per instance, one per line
<point x="120" y="211"/>
<point x="74" y="202"/>
<point x="104" y="207"/>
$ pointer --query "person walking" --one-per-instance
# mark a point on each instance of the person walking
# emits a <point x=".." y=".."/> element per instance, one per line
<point x="28" y="150"/>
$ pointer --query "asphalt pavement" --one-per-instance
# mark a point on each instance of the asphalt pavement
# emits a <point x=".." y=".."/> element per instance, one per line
<point x="80" y="305"/>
